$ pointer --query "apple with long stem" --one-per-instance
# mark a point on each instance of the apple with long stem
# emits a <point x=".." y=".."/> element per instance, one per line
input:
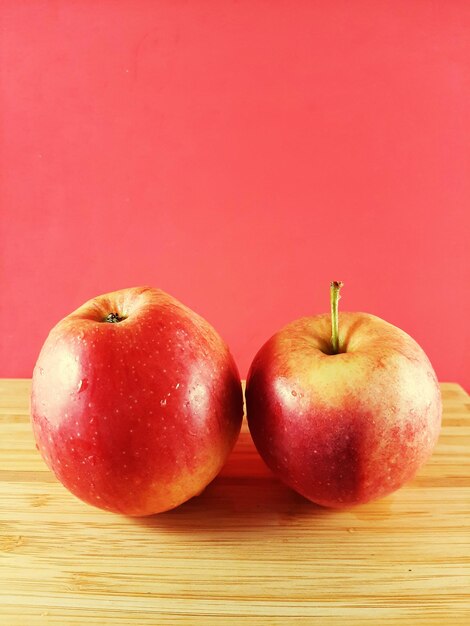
<point x="344" y="408"/>
<point x="136" y="402"/>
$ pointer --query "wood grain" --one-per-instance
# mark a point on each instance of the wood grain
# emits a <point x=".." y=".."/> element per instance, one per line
<point x="248" y="550"/>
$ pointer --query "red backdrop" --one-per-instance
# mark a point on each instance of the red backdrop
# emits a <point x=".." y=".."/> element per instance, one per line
<point x="239" y="155"/>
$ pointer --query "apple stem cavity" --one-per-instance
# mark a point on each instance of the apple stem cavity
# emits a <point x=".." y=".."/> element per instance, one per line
<point x="334" y="299"/>
<point x="113" y="318"/>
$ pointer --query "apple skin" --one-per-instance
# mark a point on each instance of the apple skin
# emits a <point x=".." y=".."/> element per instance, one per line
<point x="343" y="429"/>
<point x="138" y="416"/>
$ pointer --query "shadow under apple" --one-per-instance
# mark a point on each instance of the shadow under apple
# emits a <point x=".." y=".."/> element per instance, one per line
<point x="245" y="496"/>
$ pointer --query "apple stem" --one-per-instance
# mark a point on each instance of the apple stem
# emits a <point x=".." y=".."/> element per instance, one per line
<point x="113" y="318"/>
<point x="334" y="299"/>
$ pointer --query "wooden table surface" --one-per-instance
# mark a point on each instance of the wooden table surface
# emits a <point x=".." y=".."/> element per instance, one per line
<point x="248" y="550"/>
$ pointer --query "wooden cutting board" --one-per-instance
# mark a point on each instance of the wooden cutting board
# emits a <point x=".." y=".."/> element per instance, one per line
<point x="248" y="550"/>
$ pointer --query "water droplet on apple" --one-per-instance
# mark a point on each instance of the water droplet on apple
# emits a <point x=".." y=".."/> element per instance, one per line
<point x="163" y="402"/>
<point x="294" y="393"/>
<point x="82" y="385"/>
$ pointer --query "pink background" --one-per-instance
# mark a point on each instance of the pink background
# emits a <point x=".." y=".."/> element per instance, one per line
<point x="239" y="155"/>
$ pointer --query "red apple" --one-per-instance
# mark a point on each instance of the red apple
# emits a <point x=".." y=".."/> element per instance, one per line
<point x="343" y="419"/>
<point x="136" y="402"/>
